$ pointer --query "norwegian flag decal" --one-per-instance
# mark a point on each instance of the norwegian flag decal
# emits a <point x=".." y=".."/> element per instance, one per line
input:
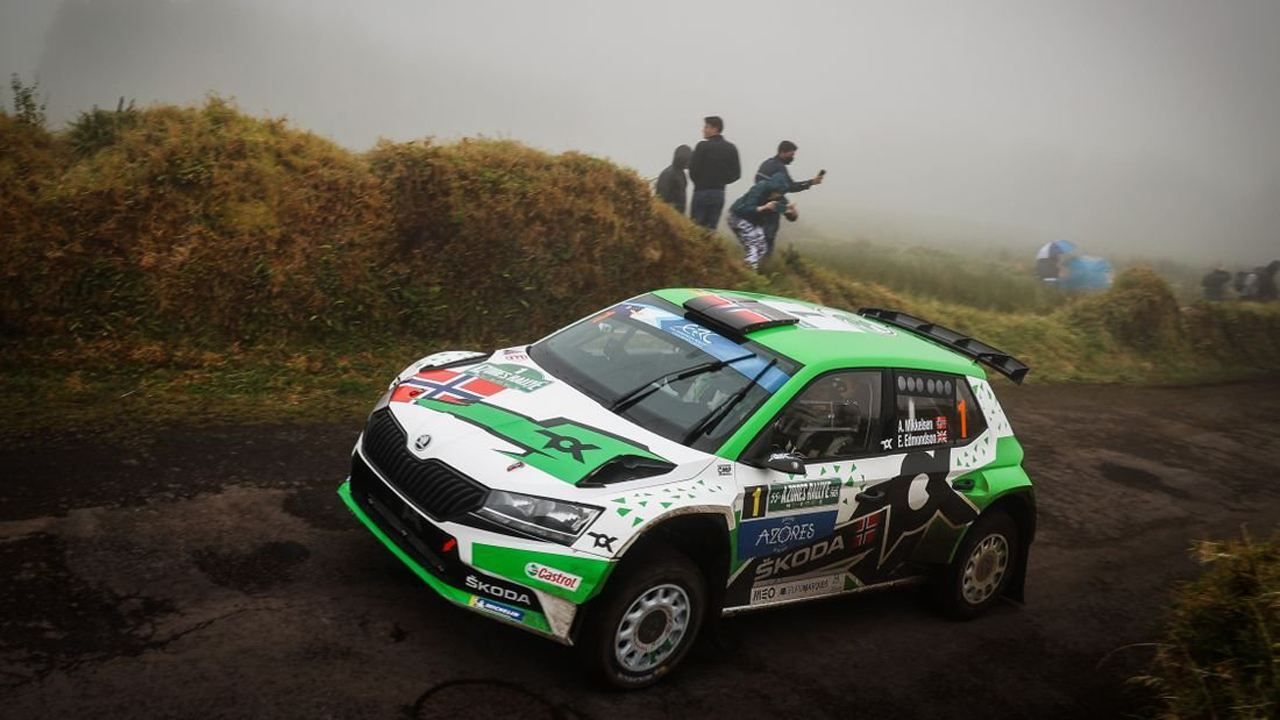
<point x="866" y="529"/>
<point x="747" y="315"/>
<point x="741" y="314"/>
<point x="446" y="385"/>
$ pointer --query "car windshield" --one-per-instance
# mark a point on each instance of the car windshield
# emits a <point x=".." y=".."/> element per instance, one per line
<point x="677" y="377"/>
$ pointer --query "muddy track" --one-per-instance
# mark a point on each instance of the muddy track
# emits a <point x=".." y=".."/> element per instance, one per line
<point x="213" y="572"/>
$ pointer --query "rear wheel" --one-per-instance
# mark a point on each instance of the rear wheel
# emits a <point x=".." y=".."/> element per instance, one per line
<point x="646" y="620"/>
<point x="983" y="566"/>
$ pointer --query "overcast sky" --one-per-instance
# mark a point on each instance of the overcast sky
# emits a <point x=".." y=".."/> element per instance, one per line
<point x="1127" y="126"/>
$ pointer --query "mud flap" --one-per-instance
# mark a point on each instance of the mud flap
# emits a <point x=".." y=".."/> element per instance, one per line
<point x="1017" y="584"/>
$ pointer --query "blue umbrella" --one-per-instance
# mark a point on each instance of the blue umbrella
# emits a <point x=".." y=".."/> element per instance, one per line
<point x="1064" y="246"/>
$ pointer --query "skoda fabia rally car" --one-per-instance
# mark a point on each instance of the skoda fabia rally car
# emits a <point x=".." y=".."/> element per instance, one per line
<point x="688" y="453"/>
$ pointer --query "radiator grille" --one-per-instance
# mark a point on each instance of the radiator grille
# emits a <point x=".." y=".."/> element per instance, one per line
<point x="436" y="488"/>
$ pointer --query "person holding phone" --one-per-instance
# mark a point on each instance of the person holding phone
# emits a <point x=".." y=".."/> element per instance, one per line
<point x="778" y="164"/>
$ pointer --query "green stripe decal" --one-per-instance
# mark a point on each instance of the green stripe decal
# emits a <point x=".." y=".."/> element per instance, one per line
<point x="560" y="447"/>
<point x="534" y="620"/>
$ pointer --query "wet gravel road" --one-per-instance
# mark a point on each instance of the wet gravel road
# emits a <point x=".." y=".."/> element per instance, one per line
<point x="213" y="572"/>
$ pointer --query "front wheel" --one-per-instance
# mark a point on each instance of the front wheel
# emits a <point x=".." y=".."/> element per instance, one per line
<point x="646" y="620"/>
<point x="983" y="566"/>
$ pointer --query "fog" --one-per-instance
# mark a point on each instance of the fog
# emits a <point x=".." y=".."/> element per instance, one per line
<point x="1132" y="127"/>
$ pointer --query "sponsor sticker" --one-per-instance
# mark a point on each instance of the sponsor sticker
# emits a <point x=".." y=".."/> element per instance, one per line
<point x="496" y="608"/>
<point x="694" y="333"/>
<point x="805" y="494"/>
<point x="796" y="589"/>
<point x="772" y="535"/>
<point x="856" y="537"/>
<point x="755" y="501"/>
<point x="602" y="540"/>
<point x="494" y="589"/>
<point x="552" y="576"/>
<point x="510" y="375"/>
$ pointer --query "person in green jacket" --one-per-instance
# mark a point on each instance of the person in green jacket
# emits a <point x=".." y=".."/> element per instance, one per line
<point x="751" y="215"/>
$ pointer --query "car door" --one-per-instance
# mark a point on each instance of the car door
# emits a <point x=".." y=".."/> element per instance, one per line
<point x="791" y="541"/>
<point x="913" y="490"/>
<point x="876" y="450"/>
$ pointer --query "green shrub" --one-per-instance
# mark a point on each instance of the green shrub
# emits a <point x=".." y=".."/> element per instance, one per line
<point x="207" y="232"/>
<point x="1220" y="657"/>
<point x="199" y="222"/>
<point x="1139" y="312"/>
<point x="96" y="129"/>
<point x="498" y="239"/>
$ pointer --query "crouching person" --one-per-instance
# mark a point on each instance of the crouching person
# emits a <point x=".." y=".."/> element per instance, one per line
<point x="751" y="215"/>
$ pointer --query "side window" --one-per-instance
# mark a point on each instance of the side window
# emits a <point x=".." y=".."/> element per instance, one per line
<point x="969" y="418"/>
<point x="926" y="409"/>
<point x="836" y="416"/>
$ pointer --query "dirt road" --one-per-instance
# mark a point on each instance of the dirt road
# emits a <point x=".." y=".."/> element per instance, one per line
<point x="213" y="572"/>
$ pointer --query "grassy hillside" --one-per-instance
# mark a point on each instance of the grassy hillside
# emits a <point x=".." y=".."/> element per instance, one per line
<point x="179" y="253"/>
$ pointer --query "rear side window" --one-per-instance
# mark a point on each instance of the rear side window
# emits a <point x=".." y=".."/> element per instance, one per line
<point x="926" y="410"/>
<point x="969" y="418"/>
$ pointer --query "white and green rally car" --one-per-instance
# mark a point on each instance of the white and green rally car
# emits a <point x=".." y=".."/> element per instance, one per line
<point x="691" y="452"/>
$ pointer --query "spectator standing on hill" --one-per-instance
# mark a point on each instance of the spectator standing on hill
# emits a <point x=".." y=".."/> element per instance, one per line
<point x="672" y="183"/>
<point x="1049" y="260"/>
<point x="1245" y="284"/>
<point x="1215" y="284"/>
<point x="778" y="164"/>
<point x="750" y="215"/>
<point x="713" y="166"/>
<point x="1267" y="281"/>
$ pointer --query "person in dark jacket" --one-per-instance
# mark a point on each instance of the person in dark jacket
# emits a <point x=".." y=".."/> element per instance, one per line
<point x="1049" y="260"/>
<point x="672" y="183"/>
<point x="1267" y="281"/>
<point x="751" y="214"/>
<point x="778" y="164"/>
<point x="1215" y="284"/>
<point x="713" y="166"/>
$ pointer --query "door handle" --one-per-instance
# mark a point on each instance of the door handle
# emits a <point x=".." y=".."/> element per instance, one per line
<point x="963" y="484"/>
<point x="869" y="495"/>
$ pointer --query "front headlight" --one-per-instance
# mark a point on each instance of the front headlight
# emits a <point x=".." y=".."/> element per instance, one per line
<point x="543" y="518"/>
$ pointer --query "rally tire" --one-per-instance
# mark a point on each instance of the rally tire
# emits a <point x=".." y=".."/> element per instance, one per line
<point x="982" y="568"/>
<point x="660" y="597"/>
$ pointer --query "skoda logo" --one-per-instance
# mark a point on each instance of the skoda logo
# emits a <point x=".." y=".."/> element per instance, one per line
<point x="422" y="442"/>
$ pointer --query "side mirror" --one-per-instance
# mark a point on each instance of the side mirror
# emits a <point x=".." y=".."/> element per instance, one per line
<point x="786" y="462"/>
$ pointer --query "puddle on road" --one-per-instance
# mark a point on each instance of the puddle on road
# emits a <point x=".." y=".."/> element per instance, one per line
<point x="266" y="566"/>
<point x="321" y="508"/>
<point x="1139" y="479"/>
<point x="49" y="616"/>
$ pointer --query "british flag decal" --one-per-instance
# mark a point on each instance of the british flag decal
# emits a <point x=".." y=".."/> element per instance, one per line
<point x="447" y="385"/>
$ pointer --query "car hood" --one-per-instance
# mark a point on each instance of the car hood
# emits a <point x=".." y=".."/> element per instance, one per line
<point x="509" y="424"/>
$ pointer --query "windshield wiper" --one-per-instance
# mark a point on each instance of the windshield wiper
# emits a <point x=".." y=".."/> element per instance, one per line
<point x="714" y="417"/>
<point x="631" y="397"/>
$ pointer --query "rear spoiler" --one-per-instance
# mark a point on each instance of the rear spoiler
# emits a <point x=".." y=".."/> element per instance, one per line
<point x="997" y="360"/>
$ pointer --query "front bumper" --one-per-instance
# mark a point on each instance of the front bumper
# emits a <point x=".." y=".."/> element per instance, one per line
<point x="446" y="575"/>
